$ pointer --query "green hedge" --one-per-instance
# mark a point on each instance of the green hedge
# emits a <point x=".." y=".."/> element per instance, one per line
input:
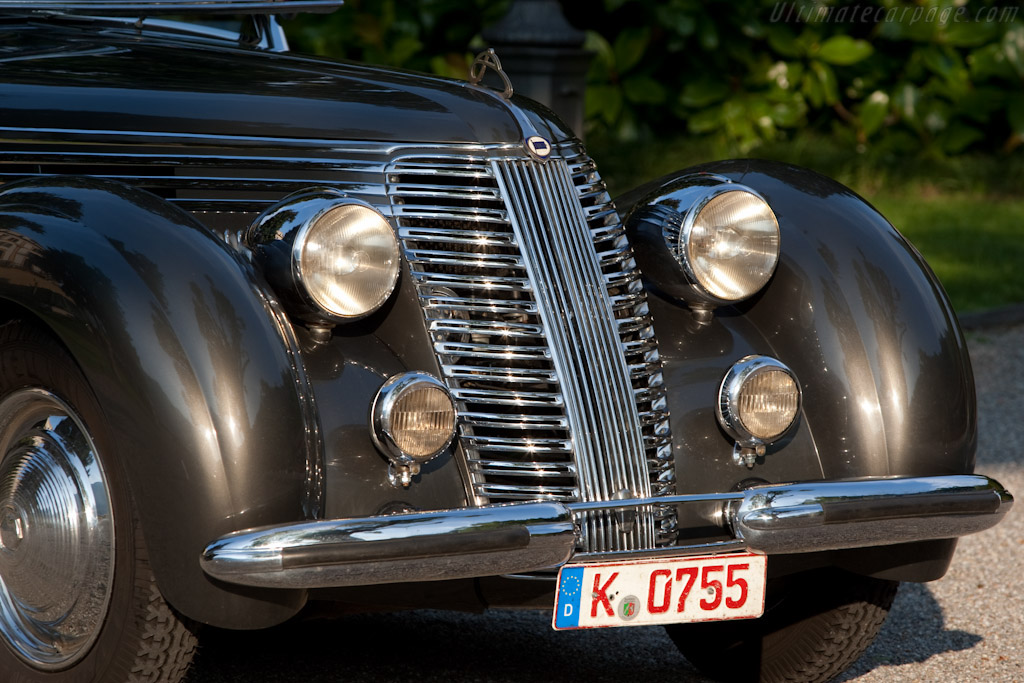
<point x="934" y="76"/>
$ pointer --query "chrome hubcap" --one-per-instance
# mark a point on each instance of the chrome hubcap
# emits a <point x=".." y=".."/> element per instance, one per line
<point x="56" y="532"/>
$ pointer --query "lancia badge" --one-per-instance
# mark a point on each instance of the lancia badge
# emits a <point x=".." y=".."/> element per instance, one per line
<point x="538" y="147"/>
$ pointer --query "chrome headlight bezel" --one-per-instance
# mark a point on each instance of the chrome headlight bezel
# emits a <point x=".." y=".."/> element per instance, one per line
<point x="661" y="229"/>
<point x="281" y="235"/>
<point x="681" y="245"/>
<point x="727" y="407"/>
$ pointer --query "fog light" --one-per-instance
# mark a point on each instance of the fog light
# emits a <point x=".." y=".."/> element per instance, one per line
<point x="412" y="421"/>
<point x="759" y="401"/>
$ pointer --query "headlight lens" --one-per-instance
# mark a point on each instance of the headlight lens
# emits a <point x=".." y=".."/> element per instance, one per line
<point x="347" y="259"/>
<point x="413" y="418"/>
<point x="758" y="401"/>
<point x="730" y="244"/>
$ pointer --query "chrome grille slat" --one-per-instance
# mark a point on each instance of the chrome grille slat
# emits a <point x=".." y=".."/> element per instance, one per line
<point x="532" y="469"/>
<point x="532" y="399"/>
<point x="499" y="420"/>
<point x="500" y="374"/>
<point x="484" y="327"/>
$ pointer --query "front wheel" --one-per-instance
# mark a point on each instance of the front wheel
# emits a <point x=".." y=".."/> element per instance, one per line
<point x="78" y="601"/>
<point x="814" y="627"/>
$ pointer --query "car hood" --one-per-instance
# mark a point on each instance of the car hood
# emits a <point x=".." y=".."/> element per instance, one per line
<point x="111" y="80"/>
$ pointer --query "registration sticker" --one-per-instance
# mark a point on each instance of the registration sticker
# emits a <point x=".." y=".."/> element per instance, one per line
<point x="678" y="590"/>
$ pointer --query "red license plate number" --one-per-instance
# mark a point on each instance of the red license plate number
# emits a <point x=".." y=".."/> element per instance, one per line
<point x="679" y="590"/>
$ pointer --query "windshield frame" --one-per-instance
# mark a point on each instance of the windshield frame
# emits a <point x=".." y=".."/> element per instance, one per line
<point x="158" y="7"/>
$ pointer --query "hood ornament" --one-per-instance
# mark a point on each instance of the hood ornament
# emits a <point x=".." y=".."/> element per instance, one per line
<point x="488" y="59"/>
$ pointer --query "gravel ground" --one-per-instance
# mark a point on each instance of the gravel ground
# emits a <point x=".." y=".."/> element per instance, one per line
<point x="967" y="627"/>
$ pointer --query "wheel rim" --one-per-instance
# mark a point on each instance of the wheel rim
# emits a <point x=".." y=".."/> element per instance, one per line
<point x="56" y="532"/>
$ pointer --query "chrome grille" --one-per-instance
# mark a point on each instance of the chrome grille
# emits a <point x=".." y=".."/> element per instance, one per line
<point x="540" y="324"/>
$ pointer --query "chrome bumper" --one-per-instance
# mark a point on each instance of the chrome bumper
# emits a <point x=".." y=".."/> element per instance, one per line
<point x="523" y="537"/>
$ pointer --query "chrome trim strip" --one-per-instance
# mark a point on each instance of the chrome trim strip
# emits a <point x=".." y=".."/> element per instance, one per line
<point x="313" y="495"/>
<point x="424" y="546"/>
<point x="522" y="537"/>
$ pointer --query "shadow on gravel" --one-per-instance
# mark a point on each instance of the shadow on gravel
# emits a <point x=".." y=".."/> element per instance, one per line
<point x="914" y="632"/>
<point x="502" y="647"/>
<point x="513" y="647"/>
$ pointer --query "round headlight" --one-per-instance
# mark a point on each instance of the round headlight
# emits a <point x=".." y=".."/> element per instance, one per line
<point x="413" y="419"/>
<point x="758" y="401"/>
<point x="330" y="258"/>
<point x="729" y="244"/>
<point x="347" y="259"/>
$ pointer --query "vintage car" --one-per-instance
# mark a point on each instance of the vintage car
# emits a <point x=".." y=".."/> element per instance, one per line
<point x="276" y="329"/>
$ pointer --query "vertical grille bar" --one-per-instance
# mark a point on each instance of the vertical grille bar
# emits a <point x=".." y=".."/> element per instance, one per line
<point x="573" y="303"/>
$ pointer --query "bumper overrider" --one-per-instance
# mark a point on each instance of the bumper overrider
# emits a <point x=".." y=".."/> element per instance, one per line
<point x="522" y="537"/>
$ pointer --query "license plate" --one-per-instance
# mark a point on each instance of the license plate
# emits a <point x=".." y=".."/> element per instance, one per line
<point x="673" y="591"/>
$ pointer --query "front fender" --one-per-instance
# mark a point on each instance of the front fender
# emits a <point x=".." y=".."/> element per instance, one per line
<point x="191" y="367"/>
<point x="854" y="310"/>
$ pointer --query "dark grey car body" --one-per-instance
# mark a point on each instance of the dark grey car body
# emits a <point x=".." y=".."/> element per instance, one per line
<point x="132" y="159"/>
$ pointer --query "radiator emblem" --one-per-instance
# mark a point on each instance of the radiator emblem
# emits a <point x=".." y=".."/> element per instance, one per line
<point x="538" y="147"/>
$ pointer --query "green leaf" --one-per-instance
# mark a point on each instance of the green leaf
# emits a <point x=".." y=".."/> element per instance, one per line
<point x="811" y="88"/>
<point x="706" y="121"/>
<point x="969" y="33"/>
<point x="704" y="91"/>
<point x="629" y="47"/>
<point x="979" y="104"/>
<point x="675" y="19"/>
<point x="789" y="114"/>
<point x="708" y="34"/>
<point x="643" y="89"/>
<point x="873" y="112"/>
<point x="826" y="87"/>
<point x="783" y="42"/>
<point x="1013" y="48"/>
<point x="1015" y="114"/>
<point x="603" y="102"/>
<point x="404" y="48"/>
<point x="844" y="50"/>
<point x="936" y="115"/>
<point x="603" y="63"/>
<point x="941" y="62"/>
<point x="906" y="100"/>
<point x="958" y="137"/>
<point x="989" y="62"/>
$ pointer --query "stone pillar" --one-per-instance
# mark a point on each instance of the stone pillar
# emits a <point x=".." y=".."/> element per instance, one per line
<point x="543" y="56"/>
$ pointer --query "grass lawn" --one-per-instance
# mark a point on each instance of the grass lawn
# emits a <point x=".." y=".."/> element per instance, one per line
<point x="974" y="244"/>
<point x="966" y="215"/>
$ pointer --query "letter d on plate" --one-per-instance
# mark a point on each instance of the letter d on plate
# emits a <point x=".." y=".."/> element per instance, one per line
<point x="570" y="591"/>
